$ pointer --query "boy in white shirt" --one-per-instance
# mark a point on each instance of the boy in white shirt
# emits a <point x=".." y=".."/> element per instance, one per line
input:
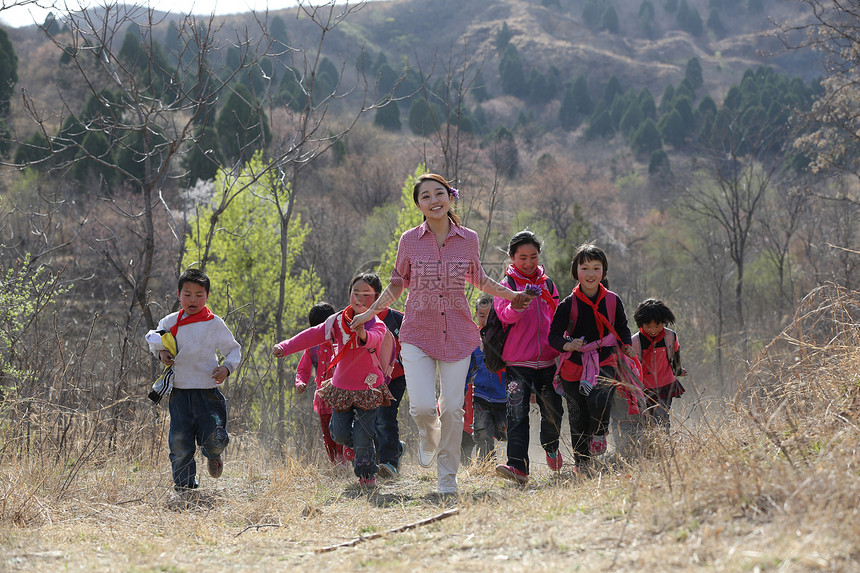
<point x="198" y="410"/>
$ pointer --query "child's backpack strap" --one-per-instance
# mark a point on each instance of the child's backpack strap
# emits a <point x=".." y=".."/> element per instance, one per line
<point x="669" y="340"/>
<point x="637" y="345"/>
<point x="329" y="325"/>
<point x="385" y="356"/>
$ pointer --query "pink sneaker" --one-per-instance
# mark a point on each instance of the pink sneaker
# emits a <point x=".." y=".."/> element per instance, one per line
<point x="512" y="474"/>
<point x="554" y="460"/>
<point x="597" y="445"/>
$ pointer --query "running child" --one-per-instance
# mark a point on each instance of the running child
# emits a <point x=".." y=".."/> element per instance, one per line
<point x="358" y="386"/>
<point x="316" y="360"/>
<point x="530" y="360"/>
<point x="660" y="355"/>
<point x="198" y="410"/>
<point x="589" y="325"/>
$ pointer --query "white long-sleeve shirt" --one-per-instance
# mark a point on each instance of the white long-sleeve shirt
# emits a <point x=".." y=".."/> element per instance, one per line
<point x="196" y="346"/>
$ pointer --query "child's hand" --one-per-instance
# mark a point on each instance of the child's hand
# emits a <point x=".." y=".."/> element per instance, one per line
<point x="630" y="351"/>
<point x="574" y="344"/>
<point x="277" y="351"/>
<point x="360" y="319"/>
<point x="521" y="300"/>
<point x="166" y="357"/>
<point x="301" y="387"/>
<point x="220" y="374"/>
<point x="361" y="332"/>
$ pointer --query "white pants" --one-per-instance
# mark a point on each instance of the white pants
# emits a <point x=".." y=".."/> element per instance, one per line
<point x="443" y="430"/>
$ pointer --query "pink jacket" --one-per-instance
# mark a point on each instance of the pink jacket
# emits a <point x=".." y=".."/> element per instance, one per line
<point x="357" y="369"/>
<point x="527" y="344"/>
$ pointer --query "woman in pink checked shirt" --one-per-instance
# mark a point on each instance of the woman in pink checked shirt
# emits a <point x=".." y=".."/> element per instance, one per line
<point x="434" y="260"/>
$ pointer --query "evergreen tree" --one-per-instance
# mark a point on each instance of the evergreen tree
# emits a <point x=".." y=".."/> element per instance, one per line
<point x="693" y="73"/>
<point x="506" y="157"/>
<point x="659" y="163"/>
<point x="600" y="123"/>
<point x="666" y="98"/>
<point x="715" y="24"/>
<point x="278" y="30"/>
<point x="609" y="19"/>
<point x="646" y="104"/>
<point x="632" y="119"/>
<point x="386" y="78"/>
<point x="611" y="91"/>
<point x="242" y="126"/>
<point x="707" y="107"/>
<point x="646" y="18"/>
<point x="203" y="160"/>
<point x="581" y="98"/>
<point x="388" y="117"/>
<point x="672" y="129"/>
<point x="8" y="72"/>
<point x="423" y="117"/>
<point x="569" y="114"/>
<point x="646" y="139"/>
<point x="689" y="19"/>
<point x="511" y="72"/>
<point x="503" y="38"/>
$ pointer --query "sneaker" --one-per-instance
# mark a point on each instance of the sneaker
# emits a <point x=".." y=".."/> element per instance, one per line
<point x="554" y="460"/>
<point x="387" y="470"/>
<point x="597" y="445"/>
<point x="348" y="454"/>
<point x="367" y="482"/>
<point x="512" y="474"/>
<point x="215" y="467"/>
<point x="425" y="458"/>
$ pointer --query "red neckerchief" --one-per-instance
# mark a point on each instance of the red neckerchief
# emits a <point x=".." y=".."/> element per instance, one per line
<point x="345" y="318"/>
<point x="181" y="320"/>
<point x="538" y="278"/>
<point x="599" y="317"/>
<point x="656" y="339"/>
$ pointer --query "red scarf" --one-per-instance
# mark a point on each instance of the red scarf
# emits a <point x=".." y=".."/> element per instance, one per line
<point x="654" y="340"/>
<point x="599" y="317"/>
<point x="181" y="320"/>
<point x="538" y="278"/>
<point x="345" y="318"/>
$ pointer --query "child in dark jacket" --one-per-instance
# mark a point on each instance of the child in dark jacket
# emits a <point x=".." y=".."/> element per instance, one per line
<point x="591" y="341"/>
<point x="489" y="402"/>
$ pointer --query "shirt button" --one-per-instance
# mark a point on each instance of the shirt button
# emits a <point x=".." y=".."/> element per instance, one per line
<point x="444" y="331"/>
<point x="443" y="314"/>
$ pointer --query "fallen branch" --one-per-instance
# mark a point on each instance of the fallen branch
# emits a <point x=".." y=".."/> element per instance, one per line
<point x="257" y="526"/>
<point x="406" y="527"/>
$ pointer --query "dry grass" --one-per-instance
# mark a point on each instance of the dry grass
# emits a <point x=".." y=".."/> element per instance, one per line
<point x="774" y="486"/>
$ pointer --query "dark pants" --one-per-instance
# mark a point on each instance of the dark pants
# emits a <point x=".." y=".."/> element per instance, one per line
<point x="489" y="423"/>
<point x="355" y="429"/>
<point x="520" y="382"/>
<point x="388" y="446"/>
<point x="589" y="415"/>
<point x="197" y="417"/>
<point x="657" y="407"/>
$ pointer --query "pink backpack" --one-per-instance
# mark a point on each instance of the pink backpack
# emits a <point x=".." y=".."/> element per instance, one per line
<point x="384" y="357"/>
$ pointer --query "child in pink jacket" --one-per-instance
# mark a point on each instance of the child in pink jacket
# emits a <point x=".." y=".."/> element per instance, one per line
<point x="529" y="358"/>
<point x="358" y="386"/>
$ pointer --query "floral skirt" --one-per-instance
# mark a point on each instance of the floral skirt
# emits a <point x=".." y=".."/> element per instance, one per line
<point x="342" y="400"/>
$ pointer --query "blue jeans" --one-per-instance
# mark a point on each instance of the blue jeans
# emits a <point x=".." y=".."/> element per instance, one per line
<point x="197" y="417"/>
<point x="388" y="446"/>
<point x="589" y="415"/>
<point x="519" y="383"/>
<point x="489" y="422"/>
<point x="355" y="429"/>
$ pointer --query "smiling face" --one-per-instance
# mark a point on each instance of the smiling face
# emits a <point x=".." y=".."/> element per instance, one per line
<point x="192" y="297"/>
<point x="433" y="200"/>
<point x="361" y="296"/>
<point x="526" y="259"/>
<point x="589" y="272"/>
<point x="652" y="328"/>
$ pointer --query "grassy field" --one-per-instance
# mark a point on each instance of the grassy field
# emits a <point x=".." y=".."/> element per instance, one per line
<point x="769" y="483"/>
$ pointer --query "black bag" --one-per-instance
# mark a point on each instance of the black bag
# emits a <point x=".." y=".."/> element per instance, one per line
<point x="493" y="336"/>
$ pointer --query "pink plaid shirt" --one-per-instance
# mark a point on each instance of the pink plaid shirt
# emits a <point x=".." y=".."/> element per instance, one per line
<point x="438" y="318"/>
